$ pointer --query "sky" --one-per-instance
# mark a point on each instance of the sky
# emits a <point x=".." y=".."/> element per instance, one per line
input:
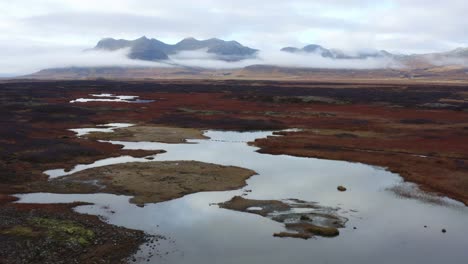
<point x="39" y="29"/>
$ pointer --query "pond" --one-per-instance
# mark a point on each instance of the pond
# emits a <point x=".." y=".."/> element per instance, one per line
<point x="112" y="98"/>
<point x="382" y="226"/>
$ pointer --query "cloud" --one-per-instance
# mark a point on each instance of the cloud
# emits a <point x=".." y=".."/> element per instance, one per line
<point x="24" y="60"/>
<point x="400" y="26"/>
<point x="21" y="61"/>
<point x="203" y="59"/>
<point x="446" y="61"/>
<point x="342" y="24"/>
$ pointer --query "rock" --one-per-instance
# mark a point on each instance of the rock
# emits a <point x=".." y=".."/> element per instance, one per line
<point x="444" y="231"/>
<point x="299" y="225"/>
<point x="293" y="235"/>
<point x="341" y="188"/>
<point x="314" y="230"/>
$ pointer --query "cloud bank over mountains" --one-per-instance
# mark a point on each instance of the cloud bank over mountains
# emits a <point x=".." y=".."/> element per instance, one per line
<point x="277" y="58"/>
<point x="53" y="32"/>
<point x="211" y="54"/>
<point x="21" y="61"/>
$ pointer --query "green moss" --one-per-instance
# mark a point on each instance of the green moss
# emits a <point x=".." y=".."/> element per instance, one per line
<point x="19" y="231"/>
<point x="64" y="230"/>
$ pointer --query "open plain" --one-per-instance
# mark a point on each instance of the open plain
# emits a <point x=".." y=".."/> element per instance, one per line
<point x="418" y="130"/>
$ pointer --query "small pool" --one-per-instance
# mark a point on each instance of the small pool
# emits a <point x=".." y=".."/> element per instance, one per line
<point x="112" y="98"/>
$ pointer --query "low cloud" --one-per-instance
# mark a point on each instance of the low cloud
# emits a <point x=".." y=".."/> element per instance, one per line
<point x="399" y="26"/>
<point x="19" y="61"/>
<point x="203" y="59"/>
<point x="446" y="61"/>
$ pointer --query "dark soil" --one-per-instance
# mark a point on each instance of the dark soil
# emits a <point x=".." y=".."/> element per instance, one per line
<point x="32" y="233"/>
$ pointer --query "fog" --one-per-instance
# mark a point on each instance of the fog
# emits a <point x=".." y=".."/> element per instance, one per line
<point x="22" y="61"/>
<point x="447" y="61"/>
<point x="203" y="59"/>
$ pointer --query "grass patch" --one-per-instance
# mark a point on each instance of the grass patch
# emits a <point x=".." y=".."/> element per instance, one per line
<point x="19" y="231"/>
<point x="64" y="230"/>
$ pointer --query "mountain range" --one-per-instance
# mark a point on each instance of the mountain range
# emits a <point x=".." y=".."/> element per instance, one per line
<point x="154" y="50"/>
<point x="451" y="65"/>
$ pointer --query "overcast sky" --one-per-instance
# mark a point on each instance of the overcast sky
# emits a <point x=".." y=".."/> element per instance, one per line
<point x="404" y="26"/>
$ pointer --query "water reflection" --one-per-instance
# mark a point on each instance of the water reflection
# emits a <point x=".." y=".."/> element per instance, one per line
<point x="389" y="229"/>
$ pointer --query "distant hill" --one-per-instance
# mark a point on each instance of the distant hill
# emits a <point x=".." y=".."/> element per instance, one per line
<point x="256" y="72"/>
<point x="155" y="50"/>
<point x="457" y="57"/>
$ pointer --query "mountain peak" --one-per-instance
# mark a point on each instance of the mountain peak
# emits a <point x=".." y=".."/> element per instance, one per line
<point x="112" y="44"/>
<point x="189" y="39"/>
<point x="312" y="47"/>
<point x="290" y="49"/>
<point x="153" y="49"/>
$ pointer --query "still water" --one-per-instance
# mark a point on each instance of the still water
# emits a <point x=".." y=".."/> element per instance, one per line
<point x="389" y="228"/>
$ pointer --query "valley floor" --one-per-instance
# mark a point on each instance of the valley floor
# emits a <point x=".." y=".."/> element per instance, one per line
<point x="417" y="130"/>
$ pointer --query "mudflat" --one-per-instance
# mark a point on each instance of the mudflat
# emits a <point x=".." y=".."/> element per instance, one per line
<point x="158" y="181"/>
<point x="150" y="133"/>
